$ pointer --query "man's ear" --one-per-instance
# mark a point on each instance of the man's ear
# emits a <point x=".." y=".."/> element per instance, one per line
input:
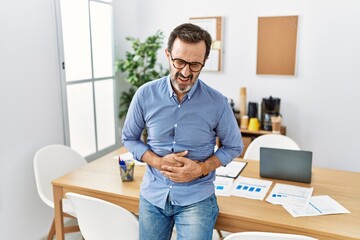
<point x="167" y="53"/>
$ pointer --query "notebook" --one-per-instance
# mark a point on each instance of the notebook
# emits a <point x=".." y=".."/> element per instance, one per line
<point x="232" y="170"/>
<point x="291" y="165"/>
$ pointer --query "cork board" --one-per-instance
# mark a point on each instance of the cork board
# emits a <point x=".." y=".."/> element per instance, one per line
<point x="214" y="26"/>
<point x="276" y="52"/>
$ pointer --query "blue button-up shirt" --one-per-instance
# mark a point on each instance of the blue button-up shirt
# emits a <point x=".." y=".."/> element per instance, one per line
<point x="192" y="124"/>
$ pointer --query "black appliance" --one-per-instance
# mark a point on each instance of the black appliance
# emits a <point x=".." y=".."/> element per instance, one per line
<point x="269" y="107"/>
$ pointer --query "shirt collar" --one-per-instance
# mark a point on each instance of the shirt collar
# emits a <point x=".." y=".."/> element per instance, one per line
<point x="189" y="94"/>
<point x="170" y="89"/>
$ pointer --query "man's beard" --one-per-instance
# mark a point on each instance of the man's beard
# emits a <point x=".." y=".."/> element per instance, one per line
<point x="177" y="86"/>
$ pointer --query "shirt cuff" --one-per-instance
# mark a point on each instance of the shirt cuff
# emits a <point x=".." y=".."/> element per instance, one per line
<point x="139" y="151"/>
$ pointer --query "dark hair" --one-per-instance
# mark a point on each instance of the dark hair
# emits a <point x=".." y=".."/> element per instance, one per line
<point x="190" y="33"/>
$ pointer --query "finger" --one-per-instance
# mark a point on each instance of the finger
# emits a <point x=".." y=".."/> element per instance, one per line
<point x="172" y="176"/>
<point x="181" y="154"/>
<point x="183" y="160"/>
<point x="168" y="174"/>
<point x="167" y="168"/>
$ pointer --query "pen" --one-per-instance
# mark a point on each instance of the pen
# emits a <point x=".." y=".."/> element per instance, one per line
<point x="122" y="164"/>
<point x="127" y="176"/>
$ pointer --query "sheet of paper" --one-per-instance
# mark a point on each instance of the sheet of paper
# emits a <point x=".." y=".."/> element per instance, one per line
<point x="223" y="186"/>
<point x="250" y="188"/>
<point x="319" y="205"/>
<point x="129" y="156"/>
<point x="285" y="194"/>
<point x="231" y="170"/>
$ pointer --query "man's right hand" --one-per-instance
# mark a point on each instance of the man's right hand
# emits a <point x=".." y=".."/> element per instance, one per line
<point x="157" y="162"/>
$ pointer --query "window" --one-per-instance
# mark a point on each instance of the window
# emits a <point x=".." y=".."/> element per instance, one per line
<point x="85" y="35"/>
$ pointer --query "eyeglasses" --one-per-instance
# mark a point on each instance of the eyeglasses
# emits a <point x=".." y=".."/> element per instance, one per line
<point x="180" y="64"/>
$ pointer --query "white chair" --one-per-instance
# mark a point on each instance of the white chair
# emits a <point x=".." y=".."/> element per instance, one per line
<point x="266" y="236"/>
<point x="51" y="162"/>
<point x="271" y="141"/>
<point x="102" y="220"/>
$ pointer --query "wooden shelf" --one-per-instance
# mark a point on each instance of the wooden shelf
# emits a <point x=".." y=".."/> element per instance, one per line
<point x="261" y="132"/>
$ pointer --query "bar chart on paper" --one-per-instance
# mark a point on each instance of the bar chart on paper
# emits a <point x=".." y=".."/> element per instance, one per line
<point x="250" y="188"/>
<point x="223" y="186"/>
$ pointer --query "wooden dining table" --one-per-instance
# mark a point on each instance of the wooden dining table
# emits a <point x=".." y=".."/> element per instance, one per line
<point x="101" y="178"/>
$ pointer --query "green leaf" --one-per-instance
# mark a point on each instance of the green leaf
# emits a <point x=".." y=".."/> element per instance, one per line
<point x="140" y="66"/>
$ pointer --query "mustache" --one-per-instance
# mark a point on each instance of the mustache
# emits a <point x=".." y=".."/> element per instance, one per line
<point x="179" y="74"/>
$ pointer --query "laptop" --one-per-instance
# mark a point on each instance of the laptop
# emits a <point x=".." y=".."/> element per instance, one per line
<point x="285" y="164"/>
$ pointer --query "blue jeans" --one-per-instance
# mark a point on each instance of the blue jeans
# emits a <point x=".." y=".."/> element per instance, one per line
<point x="193" y="222"/>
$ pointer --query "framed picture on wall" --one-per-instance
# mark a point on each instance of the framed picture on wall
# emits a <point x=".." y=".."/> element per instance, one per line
<point x="214" y="26"/>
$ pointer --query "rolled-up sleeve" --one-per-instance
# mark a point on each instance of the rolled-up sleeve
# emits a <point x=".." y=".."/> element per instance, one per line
<point x="229" y="135"/>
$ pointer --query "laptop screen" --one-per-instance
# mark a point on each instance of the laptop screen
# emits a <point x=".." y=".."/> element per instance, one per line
<point x="285" y="164"/>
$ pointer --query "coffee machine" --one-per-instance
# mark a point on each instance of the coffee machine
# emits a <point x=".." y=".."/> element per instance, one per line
<point x="269" y="107"/>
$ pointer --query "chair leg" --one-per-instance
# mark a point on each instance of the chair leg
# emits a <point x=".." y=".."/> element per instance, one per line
<point x="51" y="231"/>
<point x="220" y="234"/>
<point x="71" y="229"/>
<point x="68" y="229"/>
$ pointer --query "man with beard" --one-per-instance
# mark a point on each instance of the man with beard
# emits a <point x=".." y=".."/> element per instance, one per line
<point x="182" y="116"/>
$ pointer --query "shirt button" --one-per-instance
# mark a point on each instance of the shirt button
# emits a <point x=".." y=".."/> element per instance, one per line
<point x="175" y="125"/>
<point x="170" y="186"/>
<point x="179" y="105"/>
<point x="173" y="142"/>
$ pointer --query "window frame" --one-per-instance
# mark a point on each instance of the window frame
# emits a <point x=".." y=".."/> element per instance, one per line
<point x="62" y="66"/>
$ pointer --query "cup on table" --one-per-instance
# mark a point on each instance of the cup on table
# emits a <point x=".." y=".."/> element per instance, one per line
<point x="126" y="170"/>
<point x="254" y="124"/>
<point x="276" y="124"/>
<point x="244" y="122"/>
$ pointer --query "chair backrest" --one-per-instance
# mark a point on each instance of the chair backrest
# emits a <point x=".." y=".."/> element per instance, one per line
<point x="99" y="219"/>
<point x="266" y="236"/>
<point x="269" y="140"/>
<point x="51" y="162"/>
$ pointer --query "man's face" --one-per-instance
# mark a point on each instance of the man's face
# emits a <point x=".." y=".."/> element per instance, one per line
<point x="183" y="79"/>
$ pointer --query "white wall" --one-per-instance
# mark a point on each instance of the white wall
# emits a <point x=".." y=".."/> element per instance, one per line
<point x="319" y="103"/>
<point x="31" y="114"/>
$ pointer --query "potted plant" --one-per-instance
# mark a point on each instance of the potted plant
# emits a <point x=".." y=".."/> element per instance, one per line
<point x="140" y="66"/>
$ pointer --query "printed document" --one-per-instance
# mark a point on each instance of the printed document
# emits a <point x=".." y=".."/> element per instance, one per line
<point x="223" y="186"/>
<point x="319" y="205"/>
<point x="232" y="170"/>
<point x="250" y="188"/>
<point x="285" y="194"/>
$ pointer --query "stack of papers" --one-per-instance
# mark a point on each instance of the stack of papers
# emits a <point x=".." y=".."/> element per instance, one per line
<point x="223" y="186"/>
<point x="318" y="205"/>
<point x="242" y="187"/>
<point x="284" y="194"/>
<point x="299" y="202"/>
